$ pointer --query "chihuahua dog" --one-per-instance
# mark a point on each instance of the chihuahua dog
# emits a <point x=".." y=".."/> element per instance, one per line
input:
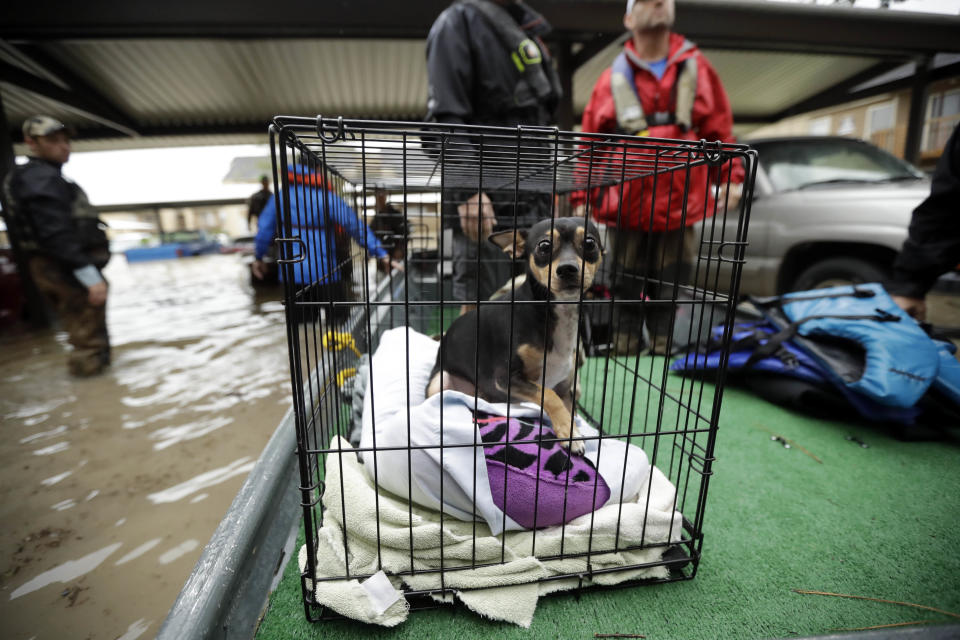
<point x="527" y="350"/>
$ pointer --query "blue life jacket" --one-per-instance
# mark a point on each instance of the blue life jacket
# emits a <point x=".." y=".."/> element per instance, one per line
<point x="787" y="360"/>
<point x="900" y="360"/>
<point x="948" y="377"/>
<point x="854" y="339"/>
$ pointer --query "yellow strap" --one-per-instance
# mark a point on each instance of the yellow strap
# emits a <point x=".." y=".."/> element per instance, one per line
<point x="344" y="375"/>
<point x="339" y="340"/>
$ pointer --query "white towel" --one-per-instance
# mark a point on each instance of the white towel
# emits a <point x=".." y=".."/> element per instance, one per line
<point x="399" y="421"/>
<point x="507" y="590"/>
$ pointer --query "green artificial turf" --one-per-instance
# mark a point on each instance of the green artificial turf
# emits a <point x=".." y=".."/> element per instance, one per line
<point x="880" y="521"/>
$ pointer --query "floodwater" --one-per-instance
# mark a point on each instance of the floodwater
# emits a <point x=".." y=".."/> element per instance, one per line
<point x="111" y="486"/>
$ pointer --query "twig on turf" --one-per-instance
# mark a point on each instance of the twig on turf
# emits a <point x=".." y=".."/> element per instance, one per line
<point x="886" y="626"/>
<point x="905" y="604"/>
<point x="788" y="441"/>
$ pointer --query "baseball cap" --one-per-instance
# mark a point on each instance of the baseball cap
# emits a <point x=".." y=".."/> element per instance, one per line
<point x="43" y="126"/>
<point x="630" y="5"/>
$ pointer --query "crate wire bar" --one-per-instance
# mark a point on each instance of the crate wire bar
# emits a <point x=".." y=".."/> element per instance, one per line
<point x="627" y="396"/>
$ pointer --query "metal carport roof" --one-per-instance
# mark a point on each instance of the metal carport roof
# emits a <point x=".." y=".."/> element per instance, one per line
<point x="139" y="74"/>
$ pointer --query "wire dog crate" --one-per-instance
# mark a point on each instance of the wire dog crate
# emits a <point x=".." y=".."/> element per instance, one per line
<point x="372" y="476"/>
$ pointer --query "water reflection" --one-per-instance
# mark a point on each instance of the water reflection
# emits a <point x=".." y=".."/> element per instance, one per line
<point x="67" y="571"/>
<point x="139" y="551"/>
<point x="43" y="435"/>
<point x="52" y="449"/>
<point x="135" y="630"/>
<point x="237" y="468"/>
<point x="181" y="549"/>
<point x="52" y="480"/>
<point x="144" y="459"/>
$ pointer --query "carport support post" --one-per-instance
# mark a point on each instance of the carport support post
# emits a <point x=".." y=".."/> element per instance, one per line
<point x="159" y="221"/>
<point x="564" y="58"/>
<point x="918" y="103"/>
<point x="35" y="307"/>
<point x="563" y="54"/>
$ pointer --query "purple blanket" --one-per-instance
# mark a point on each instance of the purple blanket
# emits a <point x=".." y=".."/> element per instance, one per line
<point x="537" y="482"/>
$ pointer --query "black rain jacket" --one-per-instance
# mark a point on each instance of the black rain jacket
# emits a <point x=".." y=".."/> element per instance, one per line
<point x="53" y="217"/>
<point x="933" y="245"/>
<point x="472" y="78"/>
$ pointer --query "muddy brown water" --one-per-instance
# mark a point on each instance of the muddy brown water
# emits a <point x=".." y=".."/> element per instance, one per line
<point x="111" y="486"/>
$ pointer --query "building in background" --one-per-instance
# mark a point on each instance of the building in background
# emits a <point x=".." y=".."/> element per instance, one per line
<point x="882" y="117"/>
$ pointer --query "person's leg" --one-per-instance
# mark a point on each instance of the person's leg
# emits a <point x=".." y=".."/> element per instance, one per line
<point x="496" y="269"/>
<point x="314" y="305"/>
<point x="629" y="257"/>
<point x="339" y="291"/>
<point x="465" y="281"/>
<point x="672" y="254"/>
<point x="85" y="324"/>
<point x="87" y="327"/>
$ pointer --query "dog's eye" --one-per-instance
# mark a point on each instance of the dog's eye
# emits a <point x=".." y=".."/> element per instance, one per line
<point x="589" y="244"/>
<point x="544" y="246"/>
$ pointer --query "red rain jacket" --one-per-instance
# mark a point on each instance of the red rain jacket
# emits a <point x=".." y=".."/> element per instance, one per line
<point x="712" y="120"/>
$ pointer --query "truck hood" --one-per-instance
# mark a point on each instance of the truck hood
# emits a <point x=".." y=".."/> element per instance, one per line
<point x="879" y="203"/>
<point x="907" y="193"/>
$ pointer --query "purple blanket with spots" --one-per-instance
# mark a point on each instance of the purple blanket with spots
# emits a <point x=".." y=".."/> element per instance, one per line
<point x="533" y="479"/>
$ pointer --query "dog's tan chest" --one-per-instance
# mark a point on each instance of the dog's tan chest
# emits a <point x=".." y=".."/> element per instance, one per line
<point x="561" y="358"/>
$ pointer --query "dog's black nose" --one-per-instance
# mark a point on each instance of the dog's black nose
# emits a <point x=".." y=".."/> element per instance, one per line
<point x="568" y="271"/>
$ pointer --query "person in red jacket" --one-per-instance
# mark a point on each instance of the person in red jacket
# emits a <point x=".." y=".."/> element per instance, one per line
<point x="661" y="86"/>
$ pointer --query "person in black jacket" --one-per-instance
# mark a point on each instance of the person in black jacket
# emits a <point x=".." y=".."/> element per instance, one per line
<point x="487" y="65"/>
<point x="63" y="240"/>
<point x="933" y="245"/>
<point x="258" y="201"/>
<point x="390" y="226"/>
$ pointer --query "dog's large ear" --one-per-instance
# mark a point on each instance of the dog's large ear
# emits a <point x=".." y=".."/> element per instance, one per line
<point x="512" y="241"/>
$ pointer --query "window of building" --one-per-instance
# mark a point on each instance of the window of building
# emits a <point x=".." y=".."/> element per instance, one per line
<point x="847" y="126"/>
<point x="943" y="114"/>
<point x="820" y="126"/>
<point x="881" y="125"/>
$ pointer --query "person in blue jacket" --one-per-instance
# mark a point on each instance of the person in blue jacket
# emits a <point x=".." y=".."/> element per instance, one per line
<point x="317" y="216"/>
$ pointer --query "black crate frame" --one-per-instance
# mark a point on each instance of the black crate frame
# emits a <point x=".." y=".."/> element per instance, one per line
<point x="357" y="156"/>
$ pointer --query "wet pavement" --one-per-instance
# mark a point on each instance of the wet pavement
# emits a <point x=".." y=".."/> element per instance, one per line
<point x="111" y="486"/>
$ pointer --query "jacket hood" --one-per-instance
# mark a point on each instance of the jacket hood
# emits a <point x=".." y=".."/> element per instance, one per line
<point x="680" y="49"/>
<point x="301" y="175"/>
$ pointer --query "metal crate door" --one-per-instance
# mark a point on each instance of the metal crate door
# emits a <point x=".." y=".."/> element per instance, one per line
<point x="327" y="169"/>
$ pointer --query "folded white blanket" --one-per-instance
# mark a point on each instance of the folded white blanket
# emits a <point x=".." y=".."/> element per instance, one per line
<point x="384" y="532"/>
<point x="398" y="421"/>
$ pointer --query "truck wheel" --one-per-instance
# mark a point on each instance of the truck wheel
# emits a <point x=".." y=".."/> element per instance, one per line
<point x="834" y="272"/>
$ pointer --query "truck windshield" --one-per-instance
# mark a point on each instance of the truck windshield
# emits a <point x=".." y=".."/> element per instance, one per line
<point x="800" y="164"/>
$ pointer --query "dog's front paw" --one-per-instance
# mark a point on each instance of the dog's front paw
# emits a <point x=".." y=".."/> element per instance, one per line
<point x="576" y="447"/>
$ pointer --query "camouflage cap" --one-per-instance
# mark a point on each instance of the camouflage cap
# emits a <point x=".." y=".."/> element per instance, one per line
<point x="39" y="125"/>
